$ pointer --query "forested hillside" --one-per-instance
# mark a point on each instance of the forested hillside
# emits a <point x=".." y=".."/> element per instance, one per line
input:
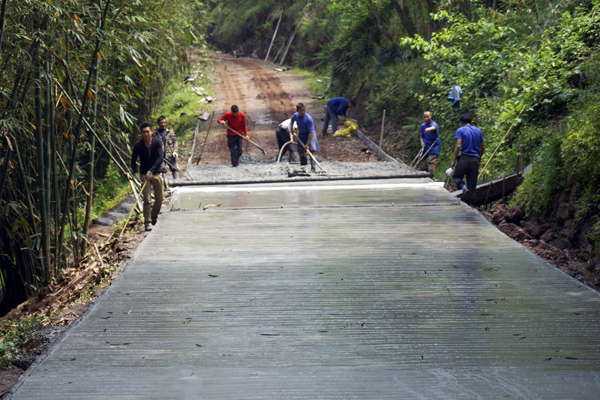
<point x="77" y="78"/>
<point x="528" y="70"/>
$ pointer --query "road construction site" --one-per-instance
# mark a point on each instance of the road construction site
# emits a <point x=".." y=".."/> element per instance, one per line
<point x="370" y="282"/>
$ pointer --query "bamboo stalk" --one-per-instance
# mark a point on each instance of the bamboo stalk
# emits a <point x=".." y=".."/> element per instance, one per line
<point x="41" y="175"/>
<point x="133" y="208"/>
<point x="77" y="132"/>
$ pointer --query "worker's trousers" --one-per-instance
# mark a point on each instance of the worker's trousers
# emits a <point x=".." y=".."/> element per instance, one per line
<point x="469" y="166"/>
<point x="330" y="115"/>
<point x="283" y="136"/>
<point x="151" y="211"/>
<point x="236" y="148"/>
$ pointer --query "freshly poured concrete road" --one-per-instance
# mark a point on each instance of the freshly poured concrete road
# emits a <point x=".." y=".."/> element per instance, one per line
<point x="339" y="294"/>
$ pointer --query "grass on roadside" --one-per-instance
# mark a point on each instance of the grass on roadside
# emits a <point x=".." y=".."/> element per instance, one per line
<point x="315" y="87"/>
<point x="18" y="337"/>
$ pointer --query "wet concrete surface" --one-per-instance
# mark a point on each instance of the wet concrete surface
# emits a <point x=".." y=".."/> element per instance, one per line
<point x="339" y="295"/>
<point x="254" y="170"/>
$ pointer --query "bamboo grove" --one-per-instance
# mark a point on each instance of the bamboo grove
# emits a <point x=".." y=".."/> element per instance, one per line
<point x="77" y="77"/>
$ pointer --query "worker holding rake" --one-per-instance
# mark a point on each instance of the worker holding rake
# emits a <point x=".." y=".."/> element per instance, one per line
<point x="306" y="135"/>
<point x="235" y="120"/>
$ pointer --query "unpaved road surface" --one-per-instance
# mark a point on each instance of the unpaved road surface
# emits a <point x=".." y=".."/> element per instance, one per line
<point x="267" y="97"/>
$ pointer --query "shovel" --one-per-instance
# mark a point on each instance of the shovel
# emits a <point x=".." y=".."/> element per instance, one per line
<point x="246" y="138"/>
<point x="309" y="153"/>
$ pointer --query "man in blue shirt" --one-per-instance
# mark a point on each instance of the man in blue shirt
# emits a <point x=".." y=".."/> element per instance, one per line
<point x="430" y="142"/>
<point x="469" y="141"/>
<point x="336" y="106"/>
<point x="306" y="134"/>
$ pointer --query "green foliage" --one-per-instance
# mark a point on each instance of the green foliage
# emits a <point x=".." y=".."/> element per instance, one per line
<point x="110" y="191"/>
<point x="17" y="338"/>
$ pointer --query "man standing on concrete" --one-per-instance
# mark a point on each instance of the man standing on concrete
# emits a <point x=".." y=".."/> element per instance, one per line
<point x="151" y="155"/>
<point x="430" y="142"/>
<point x="236" y="120"/>
<point x="306" y="134"/>
<point x="469" y="141"/>
<point x="170" y="145"/>
<point x="283" y="134"/>
<point x="336" y="106"/>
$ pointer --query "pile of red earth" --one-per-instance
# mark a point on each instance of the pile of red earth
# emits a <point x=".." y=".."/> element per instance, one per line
<point x="542" y="240"/>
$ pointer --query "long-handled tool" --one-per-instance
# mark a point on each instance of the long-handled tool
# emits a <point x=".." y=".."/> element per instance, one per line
<point x="178" y="170"/>
<point x="282" y="148"/>
<point x="412" y="164"/>
<point x="206" y="138"/>
<point x="133" y="208"/>
<point x="248" y="139"/>
<point x="424" y="154"/>
<point x="306" y="148"/>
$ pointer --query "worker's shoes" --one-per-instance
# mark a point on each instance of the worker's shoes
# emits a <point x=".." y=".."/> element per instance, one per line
<point x="465" y="196"/>
<point x="148" y="227"/>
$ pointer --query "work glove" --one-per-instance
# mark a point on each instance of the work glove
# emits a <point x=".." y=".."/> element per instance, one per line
<point x="175" y="154"/>
<point x="149" y="175"/>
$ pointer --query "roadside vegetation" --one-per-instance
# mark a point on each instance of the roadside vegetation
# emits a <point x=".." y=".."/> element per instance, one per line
<point x="528" y="70"/>
<point x="77" y="78"/>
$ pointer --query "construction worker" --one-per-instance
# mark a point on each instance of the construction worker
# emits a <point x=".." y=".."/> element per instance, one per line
<point x="336" y="106"/>
<point x="283" y="134"/>
<point x="470" y="143"/>
<point x="151" y="155"/>
<point x="236" y="120"/>
<point x="430" y="143"/>
<point x="304" y="127"/>
<point x="170" y="146"/>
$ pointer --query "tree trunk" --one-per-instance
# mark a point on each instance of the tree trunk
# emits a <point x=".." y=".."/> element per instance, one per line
<point x="382" y="28"/>
<point x="404" y="14"/>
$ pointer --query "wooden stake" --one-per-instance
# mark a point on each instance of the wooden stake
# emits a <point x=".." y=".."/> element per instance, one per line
<point x="288" y="47"/>
<point x="194" y="143"/>
<point x="382" y="127"/>
<point x="274" y="36"/>
<point x="206" y="138"/>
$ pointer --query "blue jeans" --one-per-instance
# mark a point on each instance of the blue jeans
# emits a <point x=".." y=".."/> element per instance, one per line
<point x="330" y="116"/>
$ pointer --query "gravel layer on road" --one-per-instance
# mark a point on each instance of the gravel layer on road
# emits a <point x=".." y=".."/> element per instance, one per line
<point x="252" y="170"/>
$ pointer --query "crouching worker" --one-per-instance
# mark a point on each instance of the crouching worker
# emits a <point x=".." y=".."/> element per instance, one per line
<point x="306" y="134"/>
<point x="283" y="134"/>
<point x="469" y="141"/>
<point x="150" y="152"/>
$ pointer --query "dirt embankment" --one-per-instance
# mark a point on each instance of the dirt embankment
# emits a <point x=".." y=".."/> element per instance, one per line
<point x="547" y="242"/>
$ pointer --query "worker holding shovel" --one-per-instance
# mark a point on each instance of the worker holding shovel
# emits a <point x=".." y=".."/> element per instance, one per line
<point x="306" y="134"/>
<point x="235" y="120"/>
<point x="430" y="143"/>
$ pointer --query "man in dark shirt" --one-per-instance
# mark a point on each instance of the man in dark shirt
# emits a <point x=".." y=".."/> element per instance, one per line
<point x="336" y="106"/>
<point x="150" y="152"/>
<point x="469" y="141"/>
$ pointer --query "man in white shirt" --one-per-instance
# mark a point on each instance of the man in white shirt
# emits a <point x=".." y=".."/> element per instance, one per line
<point x="283" y="136"/>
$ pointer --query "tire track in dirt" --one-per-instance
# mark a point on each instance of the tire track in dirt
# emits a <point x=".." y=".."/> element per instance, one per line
<point x="280" y="102"/>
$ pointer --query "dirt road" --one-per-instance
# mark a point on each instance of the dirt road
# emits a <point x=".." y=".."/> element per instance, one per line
<point x="267" y="97"/>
